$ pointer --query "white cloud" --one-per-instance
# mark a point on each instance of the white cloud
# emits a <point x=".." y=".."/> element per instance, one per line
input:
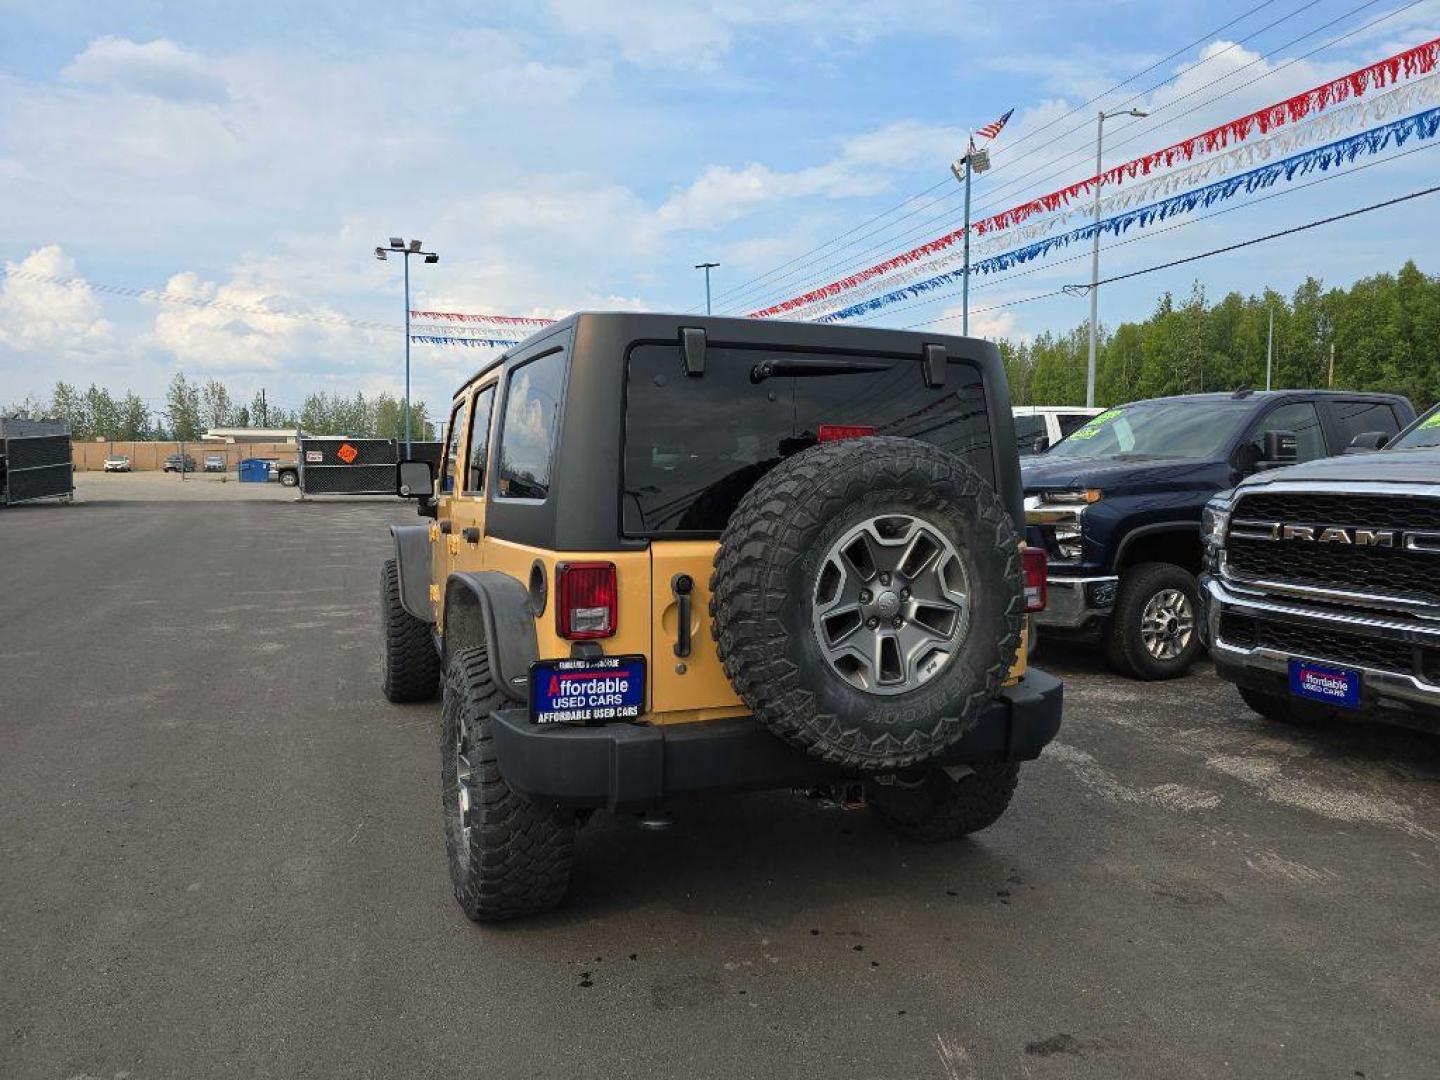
<point x="42" y="319"/>
<point x="696" y="35"/>
<point x="158" y="68"/>
<point x="217" y="335"/>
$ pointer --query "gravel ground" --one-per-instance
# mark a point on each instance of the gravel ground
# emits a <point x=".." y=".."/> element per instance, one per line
<point x="221" y="855"/>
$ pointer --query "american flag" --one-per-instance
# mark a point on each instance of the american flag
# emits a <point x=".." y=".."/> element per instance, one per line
<point x="990" y="130"/>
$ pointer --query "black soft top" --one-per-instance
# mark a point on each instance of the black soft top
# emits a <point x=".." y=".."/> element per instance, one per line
<point x="582" y="509"/>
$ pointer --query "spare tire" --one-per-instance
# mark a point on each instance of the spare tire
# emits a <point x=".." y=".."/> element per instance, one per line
<point x="867" y="601"/>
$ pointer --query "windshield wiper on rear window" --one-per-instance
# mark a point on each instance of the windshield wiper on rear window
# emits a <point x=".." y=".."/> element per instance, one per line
<point x="808" y="368"/>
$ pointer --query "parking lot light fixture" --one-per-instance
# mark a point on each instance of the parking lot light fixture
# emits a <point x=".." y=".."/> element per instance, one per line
<point x="407" y="248"/>
<point x="1095" y="250"/>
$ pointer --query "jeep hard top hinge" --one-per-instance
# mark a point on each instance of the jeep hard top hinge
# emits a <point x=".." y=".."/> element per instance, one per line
<point x="934" y="366"/>
<point x="692" y="345"/>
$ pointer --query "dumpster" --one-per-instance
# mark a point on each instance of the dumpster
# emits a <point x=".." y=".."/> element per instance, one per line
<point x="254" y="470"/>
<point x="34" y="460"/>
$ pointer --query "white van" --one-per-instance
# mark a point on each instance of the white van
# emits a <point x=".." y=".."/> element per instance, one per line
<point x="1049" y="422"/>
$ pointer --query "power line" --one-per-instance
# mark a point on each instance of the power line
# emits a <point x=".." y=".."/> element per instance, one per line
<point x="728" y="293"/>
<point x="1066" y="160"/>
<point x="1269" y="236"/>
<point x="1144" y="235"/>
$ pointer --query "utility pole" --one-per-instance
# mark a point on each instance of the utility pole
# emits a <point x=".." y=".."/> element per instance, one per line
<point x="1095" y="252"/>
<point x="1269" y="347"/>
<point x="707" y="267"/>
<point x="264" y="410"/>
<point x="400" y="247"/>
<point x="1330" y="384"/>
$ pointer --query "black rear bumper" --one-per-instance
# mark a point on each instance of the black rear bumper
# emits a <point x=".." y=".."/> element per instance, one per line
<point x="639" y="765"/>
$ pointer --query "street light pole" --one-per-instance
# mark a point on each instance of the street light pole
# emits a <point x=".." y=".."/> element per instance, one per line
<point x="707" y="267"/>
<point x="401" y="247"/>
<point x="1095" y="252"/>
<point x="974" y="161"/>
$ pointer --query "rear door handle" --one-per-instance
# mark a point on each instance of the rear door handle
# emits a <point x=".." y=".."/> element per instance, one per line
<point x="471" y="535"/>
<point x="682" y="586"/>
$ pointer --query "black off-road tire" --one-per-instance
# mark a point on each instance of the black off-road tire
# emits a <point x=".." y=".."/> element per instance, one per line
<point x="410" y="666"/>
<point x="289" y="479"/>
<point x="1285" y="710"/>
<point x="762" y="588"/>
<point x="935" y="807"/>
<point x="509" y="857"/>
<point x="1124" y="647"/>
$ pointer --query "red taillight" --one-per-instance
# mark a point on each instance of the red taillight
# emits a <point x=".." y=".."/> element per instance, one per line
<point x="1034" y="565"/>
<point x="836" y="432"/>
<point x="585" y="600"/>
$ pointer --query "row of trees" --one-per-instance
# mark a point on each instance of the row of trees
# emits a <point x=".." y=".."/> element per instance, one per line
<point x="1383" y="334"/>
<point x="192" y="407"/>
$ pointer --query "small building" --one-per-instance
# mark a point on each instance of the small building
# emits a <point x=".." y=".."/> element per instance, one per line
<point x="245" y="435"/>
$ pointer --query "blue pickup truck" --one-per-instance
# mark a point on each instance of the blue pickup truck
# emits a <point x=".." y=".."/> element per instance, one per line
<point x="1117" y="506"/>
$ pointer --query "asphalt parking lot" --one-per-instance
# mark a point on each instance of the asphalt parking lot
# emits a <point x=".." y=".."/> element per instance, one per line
<point x="221" y="856"/>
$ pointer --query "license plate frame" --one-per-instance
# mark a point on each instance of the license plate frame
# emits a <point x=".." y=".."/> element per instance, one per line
<point x="601" y="703"/>
<point x="1328" y="684"/>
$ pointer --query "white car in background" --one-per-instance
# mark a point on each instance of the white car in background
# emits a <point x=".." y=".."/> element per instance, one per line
<point x="117" y="463"/>
<point x="1050" y="423"/>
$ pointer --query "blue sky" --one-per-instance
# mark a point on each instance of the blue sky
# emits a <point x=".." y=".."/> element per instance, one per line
<point x="571" y="154"/>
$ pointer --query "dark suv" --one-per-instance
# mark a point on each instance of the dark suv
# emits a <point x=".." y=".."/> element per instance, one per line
<point x="1117" y="505"/>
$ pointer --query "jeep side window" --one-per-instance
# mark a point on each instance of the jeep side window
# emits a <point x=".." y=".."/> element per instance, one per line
<point x="479" y="441"/>
<point x="452" y="448"/>
<point x="1301" y="418"/>
<point x="527" y="437"/>
<point x="1072" y="422"/>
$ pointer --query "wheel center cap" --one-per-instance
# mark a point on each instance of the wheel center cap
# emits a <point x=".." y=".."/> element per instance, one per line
<point x="887" y="605"/>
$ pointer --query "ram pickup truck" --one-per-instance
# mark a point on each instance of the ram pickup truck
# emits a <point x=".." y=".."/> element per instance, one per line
<point x="1323" y="585"/>
<point x="1117" y="506"/>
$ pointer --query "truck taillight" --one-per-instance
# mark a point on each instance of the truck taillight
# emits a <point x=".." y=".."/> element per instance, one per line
<point x="586" y="598"/>
<point x="836" y="432"/>
<point x="1033" y="564"/>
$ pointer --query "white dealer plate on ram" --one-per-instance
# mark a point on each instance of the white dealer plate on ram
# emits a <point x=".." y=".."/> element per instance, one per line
<point x="594" y="691"/>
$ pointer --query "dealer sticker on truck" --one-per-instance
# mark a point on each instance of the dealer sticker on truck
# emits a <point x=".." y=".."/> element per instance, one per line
<point x="589" y="691"/>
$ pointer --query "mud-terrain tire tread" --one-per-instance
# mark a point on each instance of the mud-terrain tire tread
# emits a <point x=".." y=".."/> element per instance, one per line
<point x="765" y="537"/>
<point x="411" y="666"/>
<point x="1123" y="647"/>
<point x="946" y="809"/>
<point x="520" y="852"/>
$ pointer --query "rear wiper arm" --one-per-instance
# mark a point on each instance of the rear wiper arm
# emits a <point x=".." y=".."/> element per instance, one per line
<point x="809" y="368"/>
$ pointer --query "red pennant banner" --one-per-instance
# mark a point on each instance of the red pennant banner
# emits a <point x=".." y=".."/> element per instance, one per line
<point x="1419" y="60"/>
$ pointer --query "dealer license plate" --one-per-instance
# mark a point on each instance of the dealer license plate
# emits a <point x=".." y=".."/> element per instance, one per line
<point x="587" y="691"/>
<point x="1321" y="682"/>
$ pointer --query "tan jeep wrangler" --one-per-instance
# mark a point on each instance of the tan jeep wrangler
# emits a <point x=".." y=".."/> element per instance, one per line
<point x="675" y="556"/>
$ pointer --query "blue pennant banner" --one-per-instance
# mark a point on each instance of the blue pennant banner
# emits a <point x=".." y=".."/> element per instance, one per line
<point x="1422" y="125"/>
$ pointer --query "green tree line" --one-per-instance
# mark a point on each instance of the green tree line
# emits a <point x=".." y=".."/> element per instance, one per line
<point x="1384" y="332"/>
<point x="191" y="408"/>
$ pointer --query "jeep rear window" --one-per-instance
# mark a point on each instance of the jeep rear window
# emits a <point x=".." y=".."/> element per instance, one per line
<point x="695" y="446"/>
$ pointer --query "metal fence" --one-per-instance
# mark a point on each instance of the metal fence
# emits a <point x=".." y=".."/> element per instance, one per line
<point x="340" y="466"/>
<point x="34" y="460"/>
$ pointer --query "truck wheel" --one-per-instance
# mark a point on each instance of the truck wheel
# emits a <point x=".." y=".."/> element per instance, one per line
<point x="1284" y="710"/>
<point x="867" y="601"/>
<point x="509" y="857"/>
<point x="1154" y="630"/>
<point x="411" y="664"/>
<point x="289" y="479"/>
<point x="932" y="806"/>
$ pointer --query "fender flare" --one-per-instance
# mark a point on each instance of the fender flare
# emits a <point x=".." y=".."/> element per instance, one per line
<point x="412" y="555"/>
<point x="1142" y="531"/>
<point x="493" y="609"/>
